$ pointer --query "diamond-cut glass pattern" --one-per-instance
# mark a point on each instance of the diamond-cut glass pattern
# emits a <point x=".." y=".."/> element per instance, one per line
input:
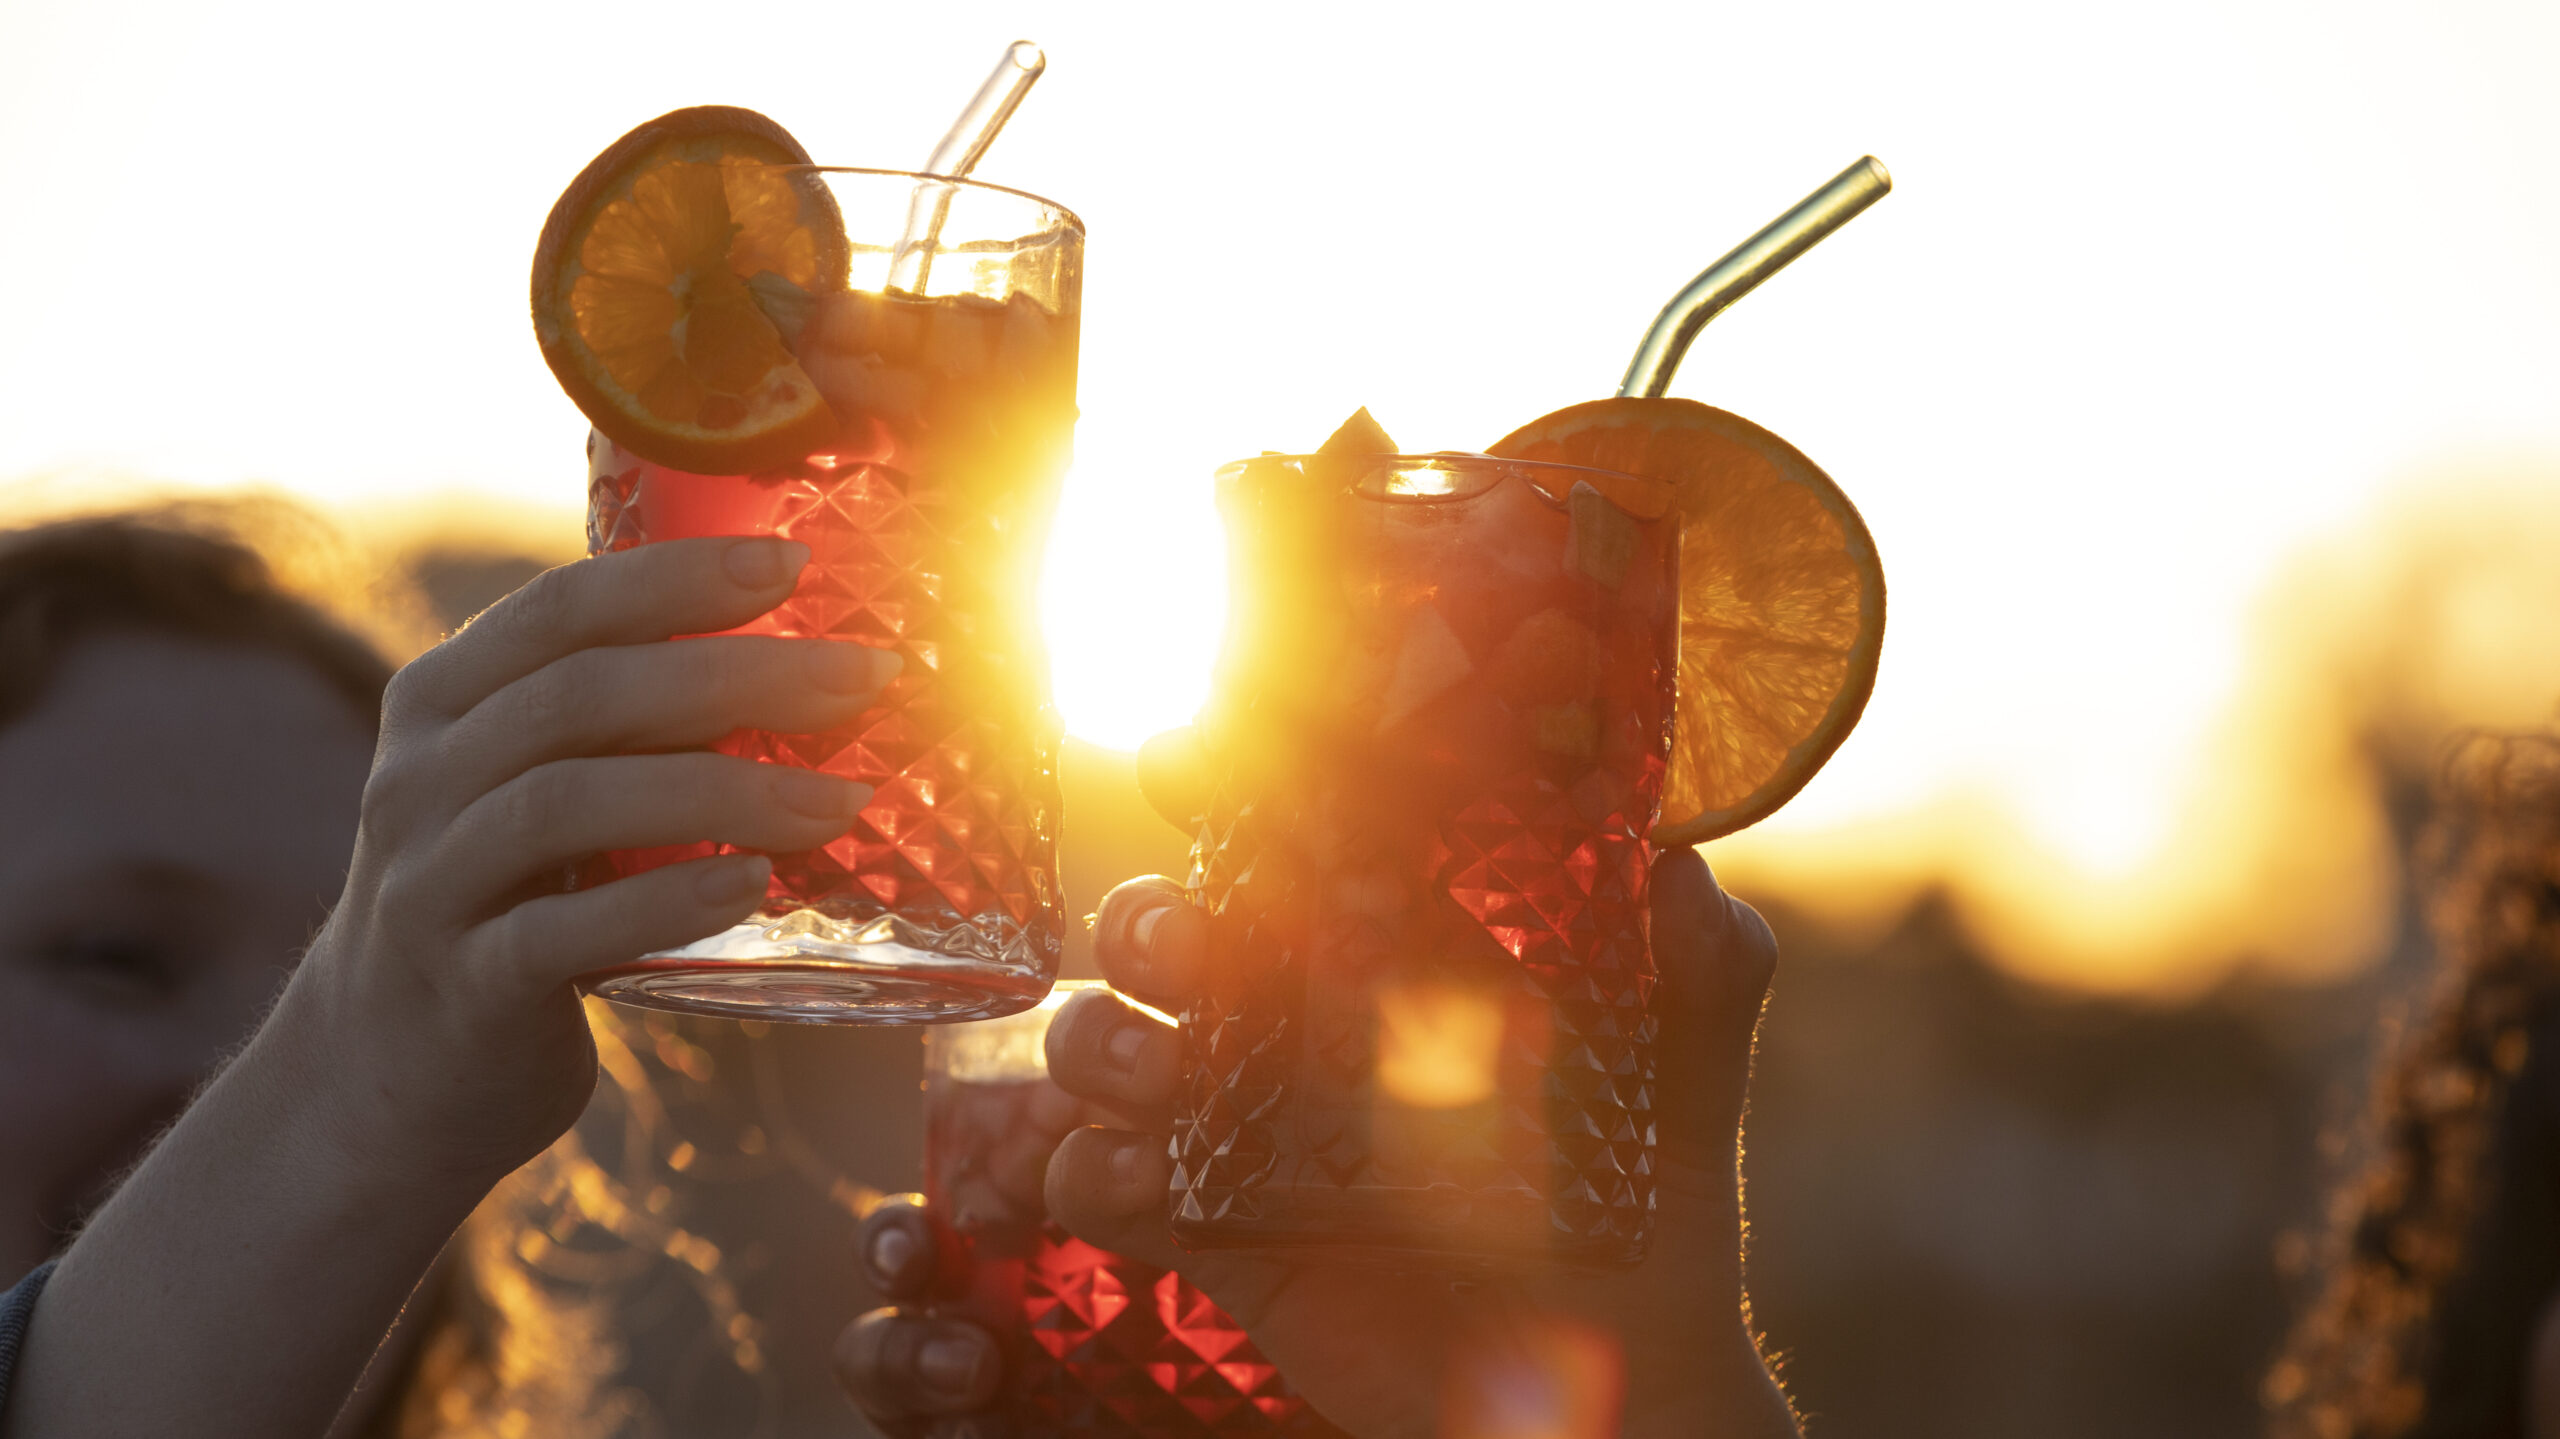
<point x="1438" y="749"/>
<point x="1095" y="1343"/>
<point x="1123" y="1348"/>
<point x="962" y="746"/>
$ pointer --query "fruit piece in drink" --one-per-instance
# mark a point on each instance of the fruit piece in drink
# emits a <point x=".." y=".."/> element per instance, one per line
<point x="1782" y="610"/>
<point x="673" y="279"/>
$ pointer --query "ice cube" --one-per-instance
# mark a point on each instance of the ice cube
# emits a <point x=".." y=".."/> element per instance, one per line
<point x="898" y="326"/>
<point x="862" y="384"/>
<point x="787" y="305"/>
<point x="1602" y="539"/>
<point x="1509" y="529"/>
<point x="960" y="335"/>
<point x="1028" y="334"/>
<point x="1360" y="675"/>
<point x="1431" y="660"/>
<point x="1546" y="659"/>
<point x="1566" y="729"/>
<point x="1359" y="435"/>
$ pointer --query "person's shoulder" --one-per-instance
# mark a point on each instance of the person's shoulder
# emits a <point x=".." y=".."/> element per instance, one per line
<point x="16" y="1308"/>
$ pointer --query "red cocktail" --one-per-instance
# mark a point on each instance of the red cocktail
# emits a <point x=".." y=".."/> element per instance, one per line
<point x="1437" y="745"/>
<point x="1094" y="1343"/>
<point x="925" y="517"/>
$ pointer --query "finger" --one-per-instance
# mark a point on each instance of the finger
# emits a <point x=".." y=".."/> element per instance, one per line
<point x="1107" y="1186"/>
<point x="662" y="696"/>
<point x="544" y="943"/>
<point x="561" y="811"/>
<point x="1102" y="1048"/>
<point x="900" y="1247"/>
<point x="1014" y="1162"/>
<point x="1151" y="942"/>
<point x="1715" y="956"/>
<point x="897" y="1365"/>
<point x="635" y="596"/>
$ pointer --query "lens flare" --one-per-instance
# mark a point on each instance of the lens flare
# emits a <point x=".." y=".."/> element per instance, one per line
<point x="1546" y="1379"/>
<point x="1437" y="1044"/>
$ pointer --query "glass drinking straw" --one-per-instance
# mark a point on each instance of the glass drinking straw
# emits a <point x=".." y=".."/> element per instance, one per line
<point x="961" y="149"/>
<point x="1749" y="263"/>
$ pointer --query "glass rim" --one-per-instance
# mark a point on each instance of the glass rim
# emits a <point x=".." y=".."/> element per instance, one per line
<point x="1663" y="491"/>
<point x="1074" y="220"/>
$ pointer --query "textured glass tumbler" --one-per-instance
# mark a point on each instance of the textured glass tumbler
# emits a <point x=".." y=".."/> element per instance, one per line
<point x="925" y="522"/>
<point x="1436" y="748"/>
<point x="1094" y="1343"/>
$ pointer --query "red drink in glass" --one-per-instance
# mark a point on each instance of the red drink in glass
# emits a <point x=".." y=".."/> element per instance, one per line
<point x="1094" y="1343"/>
<point x="925" y="520"/>
<point x="1438" y="743"/>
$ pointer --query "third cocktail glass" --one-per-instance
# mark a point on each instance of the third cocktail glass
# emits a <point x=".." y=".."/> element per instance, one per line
<point x="1095" y="1343"/>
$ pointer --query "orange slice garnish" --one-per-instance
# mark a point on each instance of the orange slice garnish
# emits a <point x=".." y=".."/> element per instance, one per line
<point x="1781" y="603"/>
<point x="672" y="282"/>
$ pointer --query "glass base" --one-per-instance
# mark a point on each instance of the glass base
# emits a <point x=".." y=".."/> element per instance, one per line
<point x="806" y="968"/>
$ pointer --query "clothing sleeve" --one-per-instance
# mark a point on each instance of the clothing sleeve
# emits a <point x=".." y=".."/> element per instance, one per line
<point x="16" y="1308"/>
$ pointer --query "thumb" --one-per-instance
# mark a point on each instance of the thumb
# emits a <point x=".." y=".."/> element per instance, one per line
<point x="1714" y="955"/>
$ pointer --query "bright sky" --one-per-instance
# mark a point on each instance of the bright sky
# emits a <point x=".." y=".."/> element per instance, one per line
<point x="2164" y="292"/>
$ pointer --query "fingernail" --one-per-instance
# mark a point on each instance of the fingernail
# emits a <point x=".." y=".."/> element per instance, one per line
<point x="819" y="796"/>
<point x="760" y="564"/>
<point x="1143" y="926"/>
<point x="1126" y="1160"/>
<point x="731" y="881"/>
<point x="1125" y="1045"/>
<point x="948" y="1363"/>
<point x="850" y="669"/>
<point x="891" y="1251"/>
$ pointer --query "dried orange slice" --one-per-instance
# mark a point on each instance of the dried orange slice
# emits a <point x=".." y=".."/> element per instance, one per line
<point x="1781" y="605"/>
<point x="672" y="282"/>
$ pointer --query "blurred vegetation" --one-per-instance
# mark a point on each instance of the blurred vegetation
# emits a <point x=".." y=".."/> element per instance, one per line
<point x="1985" y="1207"/>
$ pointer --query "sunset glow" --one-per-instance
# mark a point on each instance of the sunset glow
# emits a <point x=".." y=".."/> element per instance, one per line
<point x="2163" y="310"/>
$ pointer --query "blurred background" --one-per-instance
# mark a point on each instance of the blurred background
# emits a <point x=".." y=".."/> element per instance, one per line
<point x="2197" y="381"/>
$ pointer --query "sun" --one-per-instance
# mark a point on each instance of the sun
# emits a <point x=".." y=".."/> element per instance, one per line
<point x="1133" y="598"/>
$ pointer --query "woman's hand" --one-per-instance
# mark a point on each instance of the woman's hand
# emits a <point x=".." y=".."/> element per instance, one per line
<point x="432" y="1039"/>
<point x="1386" y="1355"/>
<point x="559" y="724"/>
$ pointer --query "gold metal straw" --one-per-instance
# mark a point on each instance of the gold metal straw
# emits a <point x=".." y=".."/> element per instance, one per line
<point x="962" y="147"/>
<point x="1749" y="263"/>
